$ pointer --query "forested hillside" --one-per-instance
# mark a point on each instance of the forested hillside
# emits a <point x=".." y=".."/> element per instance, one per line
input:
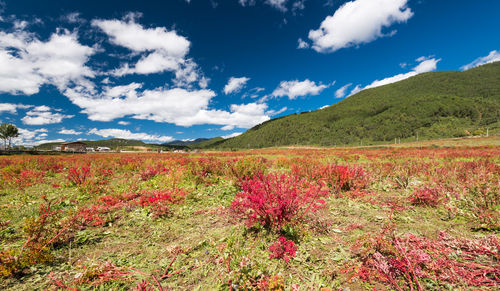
<point x="430" y="105"/>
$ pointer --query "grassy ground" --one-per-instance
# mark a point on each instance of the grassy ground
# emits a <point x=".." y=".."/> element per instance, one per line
<point x="198" y="243"/>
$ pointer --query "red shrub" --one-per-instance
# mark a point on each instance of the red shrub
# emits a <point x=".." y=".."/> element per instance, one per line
<point x="405" y="261"/>
<point x="29" y="177"/>
<point x="344" y="178"/>
<point x="204" y="170"/>
<point x="337" y="177"/>
<point x="276" y="200"/>
<point x="43" y="231"/>
<point x="95" y="215"/>
<point x="77" y="176"/>
<point x="149" y="173"/>
<point x="161" y="196"/>
<point x="246" y="167"/>
<point x="282" y="249"/>
<point x="426" y="196"/>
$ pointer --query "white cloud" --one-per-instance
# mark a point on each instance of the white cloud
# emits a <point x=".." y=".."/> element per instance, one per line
<point x="127" y="134"/>
<point x="278" y="4"/>
<point x="294" y="89"/>
<point x="298" y="5"/>
<point x="234" y="85"/>
<point x="179" y="106"/>
<point x="42" y="108"/>
<point x="73" y="17"/>
<point x="355" y="90"/>
<point x="26" y="134"/>
<point x="357" y="22"/>
<point x="123" y="122"/>
<point x="39" y="142"/>
<point x="7" y="107"/>
<point x="188" y="74"/>
<point x="149" y="64"/>
<point x="341" y="92"/>
<point x="26" y="62"/>
<point x="70" y="132"/>
<point x="32" y="137"/>
<point x="302" y="44"/>
<point x="493" y="56"/>
<point x="139" y="39"/>
<point x="160" y="49"/>
<point x="203" y="82"/>
<point x="273" y="112"/>
<point x="42" y="136"/>
<point x="234" y="134"/>
<point x="160" y="104"/>
<point x="426" y="65"/>
<point x="227" y="127"/>
<point x="246" y="2"/>
<point x="42" y="115"/>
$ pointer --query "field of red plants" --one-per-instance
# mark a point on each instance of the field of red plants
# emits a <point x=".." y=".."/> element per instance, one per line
<point x="276" y="219"/>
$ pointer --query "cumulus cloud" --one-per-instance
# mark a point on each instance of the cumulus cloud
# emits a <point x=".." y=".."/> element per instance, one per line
<point x="69" y="132"/>
<point x="355" y="90"/>
<point x="127" y="134"/>
<point x="273" y="112"/>
<point x="33" y="137"/>
<point x="160" y="49"/>
<point x="73" y="17"/>
<point x="135" y="37"/>
<point x="296" y="88"/>
<point x="235" y="85"/>
<point x="493" y="56"/>
<point x="234" y="134"/>
<point x="246" y="2"/>
<point x="278" y="4"/>
<point x="42" y="115"/>
<point x="426" y="65"/>
<point x="341" y="92"/>
<point x="302" y="44"/>
<point x="12" y="108"/>
<point x="298" y="5"/>
<point x="26" y="62"/>
<point x="357" y="22"/>
<point x="178" y="106"/>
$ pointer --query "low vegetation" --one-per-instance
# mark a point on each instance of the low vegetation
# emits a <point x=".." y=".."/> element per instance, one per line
<point x="401" y="218"/>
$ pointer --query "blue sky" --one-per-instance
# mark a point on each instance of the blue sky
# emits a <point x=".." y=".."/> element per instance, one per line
<point x="163" y="70"/>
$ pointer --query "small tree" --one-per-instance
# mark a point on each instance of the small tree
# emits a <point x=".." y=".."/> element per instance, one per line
<point x="7" y="133"/>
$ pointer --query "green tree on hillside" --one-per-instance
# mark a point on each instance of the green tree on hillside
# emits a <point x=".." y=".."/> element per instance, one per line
<point x="7" y="133"/>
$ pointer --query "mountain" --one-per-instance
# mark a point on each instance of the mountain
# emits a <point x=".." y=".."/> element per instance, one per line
<point x="111" y="143"/>
<point x="208" y="143"/>
<point x="431" y="105"/>
<point x="185" y="142"/>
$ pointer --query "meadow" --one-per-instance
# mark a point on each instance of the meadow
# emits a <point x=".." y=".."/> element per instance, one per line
<point x="420" y="218"/>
